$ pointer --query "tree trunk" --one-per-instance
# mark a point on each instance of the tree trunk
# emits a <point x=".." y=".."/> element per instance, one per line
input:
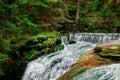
<point x="78" y="11"/>
<point x="86" y="5"/>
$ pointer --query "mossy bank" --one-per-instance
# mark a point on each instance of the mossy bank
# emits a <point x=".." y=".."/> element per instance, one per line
<point x="21" y="51"/>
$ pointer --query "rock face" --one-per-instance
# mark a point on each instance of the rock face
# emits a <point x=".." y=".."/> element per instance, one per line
<point x="109" y="54"/>
<point x="112" y="51"/>
<point x="108" y="43"/>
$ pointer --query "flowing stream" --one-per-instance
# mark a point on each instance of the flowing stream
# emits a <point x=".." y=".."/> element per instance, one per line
<point x="110" y="72"/>
<point x="52" y="66"/>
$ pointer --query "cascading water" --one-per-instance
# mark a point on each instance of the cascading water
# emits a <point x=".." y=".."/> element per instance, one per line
<point x="94" y="37"/>
<point x="52" y="66"/>
<point x="110" y="72"/>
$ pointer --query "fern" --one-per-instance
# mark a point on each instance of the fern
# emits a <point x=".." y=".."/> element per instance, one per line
<point x="3" y="57"/>
<point x="51" y="0"/>
<point x="2" y="6"/>
<point x="84" y="20"/>
<point x="28" y="21"/>
<point x="93" y="5"/>
<point x="41" y="3"/>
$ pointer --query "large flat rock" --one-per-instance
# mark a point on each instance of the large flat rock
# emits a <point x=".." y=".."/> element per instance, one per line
<point x="109" y="43"/>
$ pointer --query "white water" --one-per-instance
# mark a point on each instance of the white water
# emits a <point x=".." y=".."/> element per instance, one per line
<point x="94" y="37"/>
<point x="52" y="66"/>
<point x="110" y="72"/>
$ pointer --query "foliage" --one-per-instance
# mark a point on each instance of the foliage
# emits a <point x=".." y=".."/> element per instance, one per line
<point x="25" y="25"/>
<point x="3" y="60"/>
<point x="116" y="22"/>
<point x="84" y="20"/>
<point x="107" y="13"/>
<point x="91" y="27"/>
<point x="3" y="57"/>
<point x="2" y="5"/>
<point x="29" y="26"/>
<point x="29" y="55"/>
<point x="42" y="3"/>
<point x="4" y="45"/>
<point x="27" y="21"/>
<point x="94" y="5"/>
<point x="32" y="2"/>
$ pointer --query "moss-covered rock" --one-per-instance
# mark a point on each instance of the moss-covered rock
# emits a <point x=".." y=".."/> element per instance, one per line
<point x="111" y="52"/>
<point x="71" y="41"/>
<point x="59" y="47"/>
<point x="75" y="70"/>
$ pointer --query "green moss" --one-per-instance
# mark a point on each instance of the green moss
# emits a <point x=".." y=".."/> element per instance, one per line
<point x="71" y="41"/>
<point x="117" y="52"/>
<point x="99" y="43"/>
<point x="47" y="34"/>
<point x="24" y="48"/>
<point x="77" y="71"/>
<point x="50" y="41"/>
<point x="72" y="72"/>
<point x="107" y="51"/>
<point x="111" y="54"/>
<point x="59" y="47"/>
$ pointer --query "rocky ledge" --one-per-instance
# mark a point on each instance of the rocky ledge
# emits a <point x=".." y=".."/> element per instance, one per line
<point x="104" y="53"/>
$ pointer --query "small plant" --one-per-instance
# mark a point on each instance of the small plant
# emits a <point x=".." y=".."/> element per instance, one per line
<point x="97" y="49"/>
<point x="84" y="20"/>
<point x="91" y="27"/>
<point x="30" y="55"/>
<point x="93" y="5"/>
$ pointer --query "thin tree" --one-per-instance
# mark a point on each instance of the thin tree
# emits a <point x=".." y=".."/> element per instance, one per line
<point x="78" y="12"/>
<point x="86" y="5"/>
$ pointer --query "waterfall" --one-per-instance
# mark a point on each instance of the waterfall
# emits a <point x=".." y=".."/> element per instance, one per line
<point x="110" y="72"/>
<point x="52" y="66"/>
<point x="64" y="40"/>
<point x="94" y="37"/>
